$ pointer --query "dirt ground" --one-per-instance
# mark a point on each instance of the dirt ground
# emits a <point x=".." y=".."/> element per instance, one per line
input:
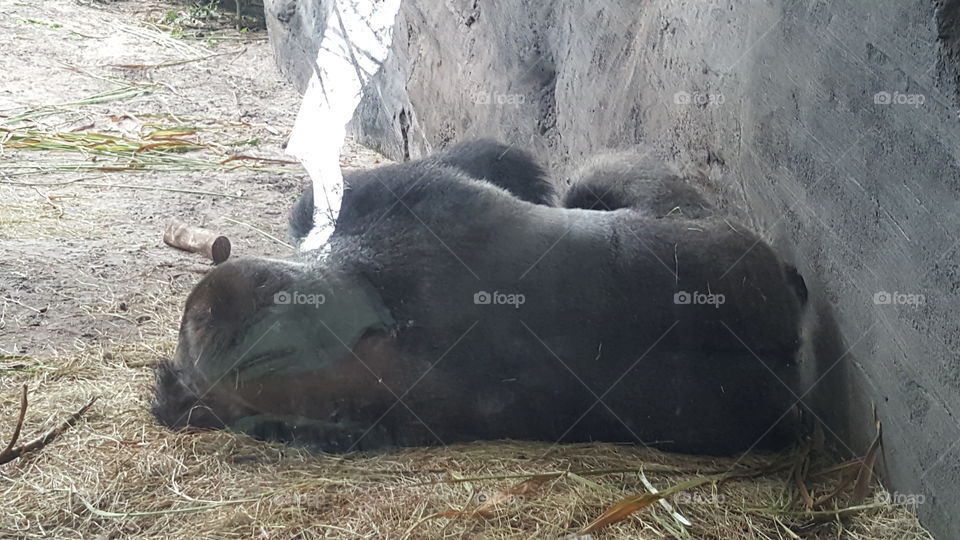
<point x="116" y="117"/>
<point x="85" y="266"/>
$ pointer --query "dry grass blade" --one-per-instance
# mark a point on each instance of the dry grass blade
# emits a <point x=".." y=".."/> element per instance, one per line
<point x="631" y="504"/>
<point x="84" y="183"/>
<point x="128" y="91"/>
<point x="847" y="475"/>
<point x="621" y="511"/>
<point x="170" y="133"/>
<point x="822" y="515"/>
<point x="787" y="531"/>
<point x="649" y="467"/>
<point x="839" y="467"/>
<point x="259" y="159"/>
<point x="172" y="63"/>
<point x="861" y="488"/>
<point x="161" y="39"/>
<point x="160" y="149"/>
<point x="151" y="513"/>
<point x="799" y="474"/>
<point x="159" y="188"/>
<point x="843" y="484"/>
<point x="90" y="143"/>
<point x="677" y="516"/>
<point x="512" y="494"/>
<point x="483" y="505"/>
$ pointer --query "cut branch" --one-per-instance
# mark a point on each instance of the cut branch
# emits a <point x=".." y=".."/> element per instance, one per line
<point x="197" y="240"/>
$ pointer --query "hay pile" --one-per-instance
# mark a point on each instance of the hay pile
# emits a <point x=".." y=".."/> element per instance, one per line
<point x="117" y="473"/>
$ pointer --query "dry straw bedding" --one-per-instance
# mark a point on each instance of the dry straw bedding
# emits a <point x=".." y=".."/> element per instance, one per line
<point x="117" y="473"/>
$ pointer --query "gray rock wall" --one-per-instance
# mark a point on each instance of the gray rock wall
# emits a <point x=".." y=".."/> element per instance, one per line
<point x="831" y="127"/>
<point x="296" y="32"/>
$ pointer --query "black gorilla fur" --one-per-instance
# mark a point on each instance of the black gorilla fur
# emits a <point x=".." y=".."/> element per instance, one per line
<point x="404" y="351"/>
<point x="506" y="166"/>
<point x="639" y="180"/>
<point x="635" y="179"/>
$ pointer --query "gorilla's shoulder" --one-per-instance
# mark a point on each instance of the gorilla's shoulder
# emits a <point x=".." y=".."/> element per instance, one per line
<point x="506" y="165"/>
<point x="410" y="182"/>
<point x="420" y="190"/>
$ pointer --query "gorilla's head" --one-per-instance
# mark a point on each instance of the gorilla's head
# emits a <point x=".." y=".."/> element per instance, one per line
<point x="264" y="338"/>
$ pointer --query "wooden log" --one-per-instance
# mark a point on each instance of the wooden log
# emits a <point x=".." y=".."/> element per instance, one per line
<point x="197" y="240"/>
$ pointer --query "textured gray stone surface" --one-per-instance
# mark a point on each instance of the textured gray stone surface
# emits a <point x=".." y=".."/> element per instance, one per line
<point x="296" y="32"/>
<point x="831" y="127"/>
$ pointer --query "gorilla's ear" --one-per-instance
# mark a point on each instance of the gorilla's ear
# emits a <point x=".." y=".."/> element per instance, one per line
<point x="237" y="289"/>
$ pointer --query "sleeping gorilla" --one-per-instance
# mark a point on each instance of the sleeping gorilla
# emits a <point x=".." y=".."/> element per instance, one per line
<point x="448" y="309"/>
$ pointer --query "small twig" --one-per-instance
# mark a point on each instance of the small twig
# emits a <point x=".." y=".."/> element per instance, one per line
<point x="127" y="515"/>
<point x="43" y="184"/>
<point x="236" y="101"/>
<point x="837" y="468"/>
<point x="819" y="515"/>
<point x="11" y="453"/>
<point x="649" y="467"/>
<point x="172" y="62"/>
<point x="157" y="188"/>
<point x="260" y="159"/>
<point x="50" y="202"/>
<point x="88" y="36"/>
<point x="799" y="473"/>
<point x="787" y="530"/>
<point x="21" y="304"/>
<point x="845" y="481"/>
<point x="264" y="233"/>
<point x="19" y="425"/>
